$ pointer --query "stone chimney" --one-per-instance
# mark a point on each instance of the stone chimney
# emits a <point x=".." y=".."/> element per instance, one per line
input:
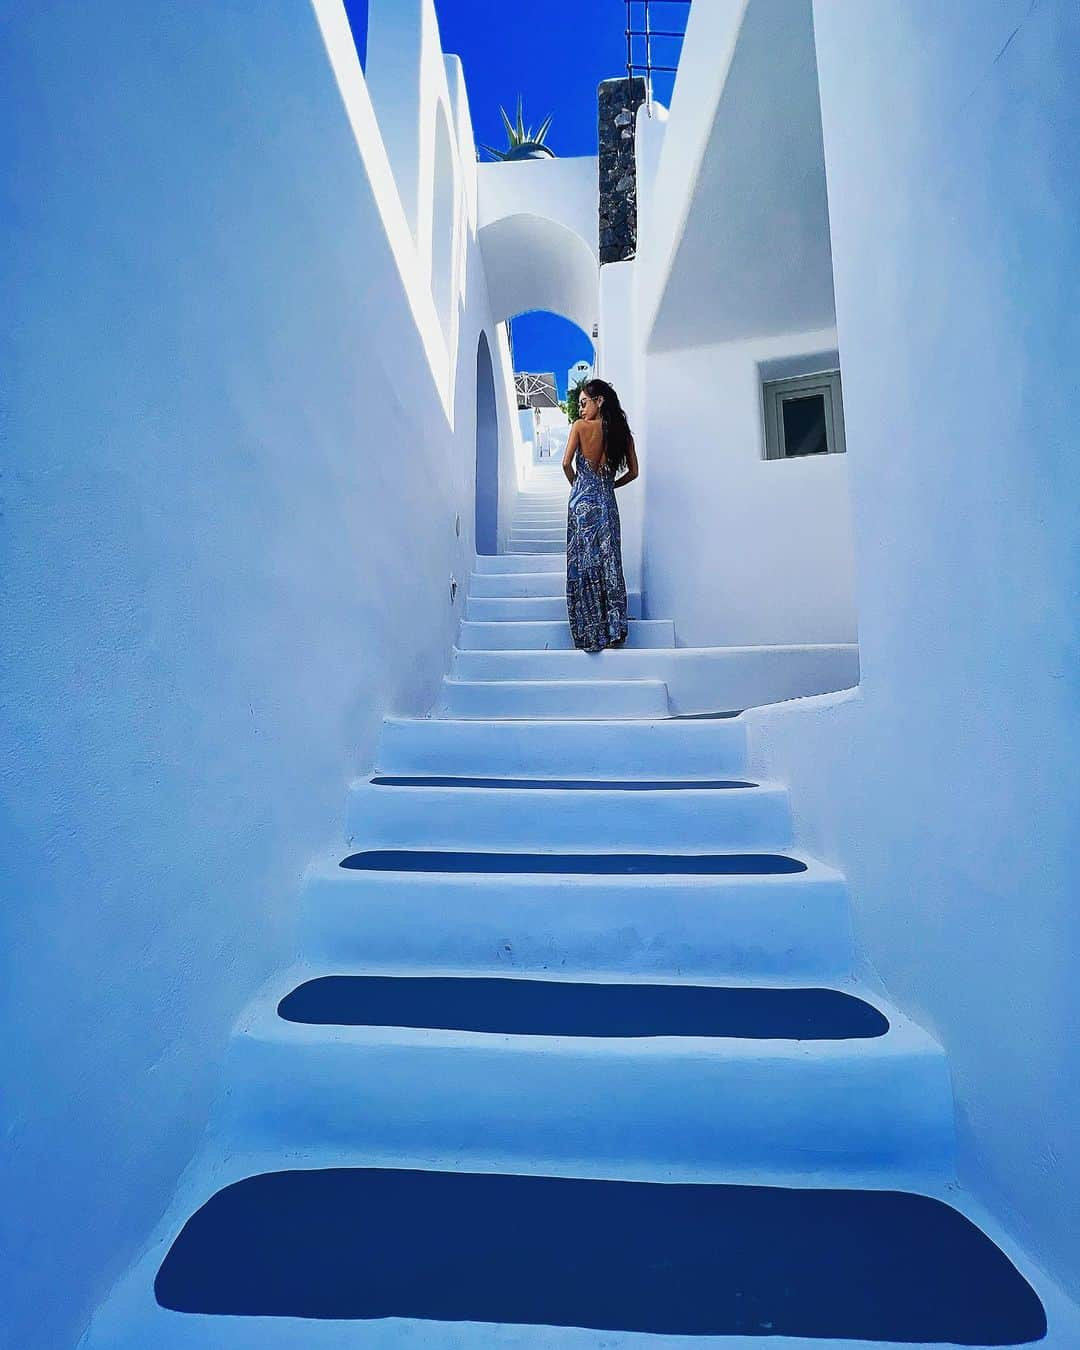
<point x="619" y="101"/>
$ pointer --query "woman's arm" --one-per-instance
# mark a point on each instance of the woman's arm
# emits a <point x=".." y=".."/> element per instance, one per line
<point x="631" y="466"/>
<point x="568" y="456"/>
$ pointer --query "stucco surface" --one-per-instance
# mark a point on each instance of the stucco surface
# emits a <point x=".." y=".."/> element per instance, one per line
<point x="241" y="389"/>
<point x="565" y="190"/>
<point x="751" y="251"/>
<point x="740" y="549"/>
<point x="948" y="787"/>
<point x="733" y="280"/>
<point x="228" y="530"/>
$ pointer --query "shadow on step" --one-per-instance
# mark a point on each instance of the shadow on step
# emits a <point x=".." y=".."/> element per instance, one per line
<point x="613" y="1255"/>
<point x="706" y="716"/>
<point x="577" y="784"/>
<point x="520" y="1007"/>
<point x="576" y="864"/>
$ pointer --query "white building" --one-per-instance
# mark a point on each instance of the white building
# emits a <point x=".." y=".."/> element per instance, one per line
<point x="237" y="537"/>
<point x="553" y="431"/>
<point x="580" y="370"/>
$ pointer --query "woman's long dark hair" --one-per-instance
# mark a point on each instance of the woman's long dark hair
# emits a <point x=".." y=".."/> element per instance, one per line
<point x="616" y="428"/>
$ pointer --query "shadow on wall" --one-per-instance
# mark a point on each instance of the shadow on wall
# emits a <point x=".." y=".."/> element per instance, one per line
<point x="487" y="452"/>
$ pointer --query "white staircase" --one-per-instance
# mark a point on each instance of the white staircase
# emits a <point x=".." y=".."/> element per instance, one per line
<point x="539" y="524"/>
<point x="573" y="939"/>
<point x="516" y="608"/>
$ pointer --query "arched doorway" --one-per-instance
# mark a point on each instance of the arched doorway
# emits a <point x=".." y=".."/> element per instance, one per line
<point x="550" y="354"/>
<point x="533" y="263"/>
<point x="487" y="452"/>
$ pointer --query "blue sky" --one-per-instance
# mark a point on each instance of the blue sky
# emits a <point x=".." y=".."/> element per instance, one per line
<point x="554" y="53"/>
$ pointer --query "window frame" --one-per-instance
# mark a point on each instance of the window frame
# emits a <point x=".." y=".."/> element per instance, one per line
<point x="774" y="393"/>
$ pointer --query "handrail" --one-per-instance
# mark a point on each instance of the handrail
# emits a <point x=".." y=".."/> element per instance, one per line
<point x="648" y="32"/>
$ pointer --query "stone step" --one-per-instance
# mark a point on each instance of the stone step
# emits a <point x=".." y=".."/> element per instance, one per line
<point x="510" y="584"/>
<point x="700" y="680"/>
<point x="555" y="664"/>
<point x="693" y="819"/>
<point x="686" y="1101"/>
<point x="332" y="1248"/>
<point x="501" y="563"/>
<point x="516" y="1004"/>
<point x="532" y="607"/>
<point x="584" y="1263"/>
<point x="545" y="863"/>
<point x="521" y="546"/>
<point x="788" y="925"/>
<point x="547" y="534"/>
<point x="544" y="635"/>
<point x="671" y="748"/>
<point x="563" y="699"/>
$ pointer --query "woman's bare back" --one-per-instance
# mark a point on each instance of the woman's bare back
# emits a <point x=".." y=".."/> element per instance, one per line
<point x="591" y="442"/>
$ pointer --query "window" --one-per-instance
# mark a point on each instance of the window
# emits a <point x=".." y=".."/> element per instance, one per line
<point x="804" y="415"/>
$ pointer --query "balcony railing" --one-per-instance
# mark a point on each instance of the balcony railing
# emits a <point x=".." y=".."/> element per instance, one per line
<point x="642" y="33"/>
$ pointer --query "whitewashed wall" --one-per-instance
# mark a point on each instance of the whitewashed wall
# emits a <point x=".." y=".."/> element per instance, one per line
<point x="733" y="270"/>
<point x="538" y="236"/>
<point x="617" y="362"/>
<point x="741" y="549"/>
<point x="513" y="451"/>
<point x="238" y="434"/>
<point x="948" y="786"/>
<point x="562" y="190"/>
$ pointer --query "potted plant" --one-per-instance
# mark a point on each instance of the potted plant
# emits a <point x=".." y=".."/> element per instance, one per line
<point x="522" y="141"/>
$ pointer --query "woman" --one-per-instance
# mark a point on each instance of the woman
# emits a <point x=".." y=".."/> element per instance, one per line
<point x="600" y="457"/>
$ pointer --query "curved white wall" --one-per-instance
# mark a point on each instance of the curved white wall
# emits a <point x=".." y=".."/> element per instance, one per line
<point x="229" y="404"/>
<point x="563" y="190"/>
<point x="534" y="262"/>
<point x="751" y="252"/>
<point x="411" y="153"/>
<point x="704" y="60"/>
<point x="538" y="232"/>
<point x="948" y="787"/>
<point x="444" y="216"/>
<point x="733" y="273"/>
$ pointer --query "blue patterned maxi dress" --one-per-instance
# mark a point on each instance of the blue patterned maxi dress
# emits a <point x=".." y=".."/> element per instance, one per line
<point x="595" y="588"/>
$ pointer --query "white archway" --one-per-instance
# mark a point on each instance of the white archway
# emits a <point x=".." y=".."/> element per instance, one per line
<point x="533" y="262"/>
<point x="487" y="452"/>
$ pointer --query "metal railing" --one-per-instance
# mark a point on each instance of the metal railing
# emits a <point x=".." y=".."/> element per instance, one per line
<point x="640" y="9"/>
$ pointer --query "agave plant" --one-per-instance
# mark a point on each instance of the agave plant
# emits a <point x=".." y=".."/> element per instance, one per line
<point x="522" y="141"/>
